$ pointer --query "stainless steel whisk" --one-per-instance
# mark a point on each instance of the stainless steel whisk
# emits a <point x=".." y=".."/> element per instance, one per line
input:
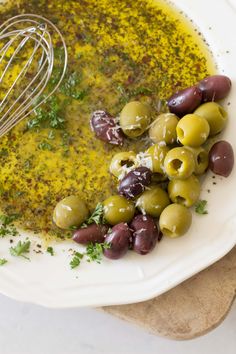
<point x="27" y="47"/>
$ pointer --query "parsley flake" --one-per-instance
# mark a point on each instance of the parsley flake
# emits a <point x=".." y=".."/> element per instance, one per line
<point x="200" y="207"/>
<point x="50" y="250"/>
<point x="75" y="262"/>
<point x="20" y="249"/>
<point x="2" y="261"/>
<point x="96" y="217"/>
<point x="94" y="252"/>
<point x="7" y="228"/>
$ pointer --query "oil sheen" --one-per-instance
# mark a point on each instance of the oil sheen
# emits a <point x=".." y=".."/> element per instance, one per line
<point x="118" y="51"/>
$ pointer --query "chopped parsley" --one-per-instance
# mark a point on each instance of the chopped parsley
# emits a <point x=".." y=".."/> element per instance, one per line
<point x="200" y="207"/>
<point x="2" y="261"/>
<point x="51" y="116"/>
<point x="96" y="217"/>
<point x="8" y="228"/>
<point x="50" y="250"/>
<point x="51" y="135"/>
<point x="70" y="85"/>
<point x="20" y="249"/>
<point x="75" y="262"/>
<point x="94" y="251"/>
<point x="44" y="145"/>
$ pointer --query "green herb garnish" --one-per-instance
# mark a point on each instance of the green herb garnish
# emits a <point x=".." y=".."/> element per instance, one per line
<point x="94" y="251"/>
<point x="96" y="217"/>
<point x="44" y="145"/>
<point x="50" y="250"/>
<point x="51" y="135"/>
<point x="20" y="249"/>
<point x="75" y="262"/>
<point x="7" y="228"/>
<point x="2" y="261"/>
<point x="70" y="84"/>
<point x="200" y="207"/>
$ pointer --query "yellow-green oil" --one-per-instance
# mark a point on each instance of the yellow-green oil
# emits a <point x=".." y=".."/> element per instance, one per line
<point x="121" y="51"/>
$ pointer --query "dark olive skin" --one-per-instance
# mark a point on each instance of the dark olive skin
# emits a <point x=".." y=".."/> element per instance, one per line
<point x="118" y="240"/>
<point x="146" y="234"/>
<point x="221" y="158"/>
<point x="135" y="181"/>
<point x="185" y="101"/>
<point x="214" y="88"/>
<point x="106" y="129"/>
<point x="91" y="234"/>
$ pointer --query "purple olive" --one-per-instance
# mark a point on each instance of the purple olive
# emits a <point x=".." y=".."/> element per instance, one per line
<point x="185" y="101"/>
<point x="118" y="240"/>
<point x="106" y="128"/>
<point x="221" y="158"/>
<point x="146" y="234"/>
<point x="134" y="182"/>
<point x="90" y="234"/>
<point x="214" y="88"/>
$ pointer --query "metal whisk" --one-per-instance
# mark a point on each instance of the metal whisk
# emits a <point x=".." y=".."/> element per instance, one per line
<point x="27" y="61"/>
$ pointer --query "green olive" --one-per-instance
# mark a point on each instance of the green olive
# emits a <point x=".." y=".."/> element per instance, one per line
<point x="158" y="154"/>
<point x="185" y="192"/>
<point x="175" y="220"/>
<point x="201" y="159"/>
<point x="70" y="211"/>
<point x="121" y="161"/>
<point x="164" y="129"/>
<point x="135" y="118"/>
<point x="179" y="163"/>
<point x="214" y="114"/>
<point x="118" y="209"/>
<point x="153" y="201"/>
<point x="192" y="130"/>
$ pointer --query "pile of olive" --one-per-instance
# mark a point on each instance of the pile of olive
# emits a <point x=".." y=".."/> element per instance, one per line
<point x="157" y="187"/>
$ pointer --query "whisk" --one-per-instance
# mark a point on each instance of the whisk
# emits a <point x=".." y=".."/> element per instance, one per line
<point x="27" y="61"/>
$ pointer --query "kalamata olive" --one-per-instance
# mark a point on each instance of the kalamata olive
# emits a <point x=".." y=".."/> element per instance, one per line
<point x="221" y="158"/>
<point x="214" y="88"/>
<point x="185" y="101"/>
<point x="146" y="234"/>
<point x="118" y="240"/>
<point x="135" y="181"/>
<point x="106" y="129"/>
<point x="90" y="234"/>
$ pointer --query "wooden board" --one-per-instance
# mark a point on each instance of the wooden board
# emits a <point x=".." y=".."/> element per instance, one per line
<point x="191" y="309"/>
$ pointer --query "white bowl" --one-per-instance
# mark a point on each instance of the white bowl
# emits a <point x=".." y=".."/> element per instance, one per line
<point x="49" y="281"/>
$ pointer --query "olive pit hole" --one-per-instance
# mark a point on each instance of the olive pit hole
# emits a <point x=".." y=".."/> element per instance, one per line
<point x="201" y="158"/>
<point x="127" y="163"/>
<point x="176" y="164"/>
<point x="180" y="200"/>
<point x="167" y="232"/>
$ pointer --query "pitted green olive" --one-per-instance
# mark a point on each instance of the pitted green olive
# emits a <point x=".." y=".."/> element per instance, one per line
<point x="120" y="161"/>
<point x="135" y="118"/>
<point x="179" y="163"/>
<point x="215" y="115"/>
<point x="158" y="154"/>
<point x="200" y="158"/>
<point x="185" y="192"/>
<point x="192" y="130"/>
<point x="70" y="211"/>
<point x="163" y="129"/>
<point x="153" y="201"/>
<point x="175" y="220"/>
<point x="118" y="209"/>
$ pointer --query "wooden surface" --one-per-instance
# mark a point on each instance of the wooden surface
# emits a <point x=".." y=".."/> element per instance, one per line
<point x="191" y="309"/>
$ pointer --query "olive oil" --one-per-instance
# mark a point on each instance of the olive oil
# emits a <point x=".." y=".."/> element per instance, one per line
<point x="118" y="51"/>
